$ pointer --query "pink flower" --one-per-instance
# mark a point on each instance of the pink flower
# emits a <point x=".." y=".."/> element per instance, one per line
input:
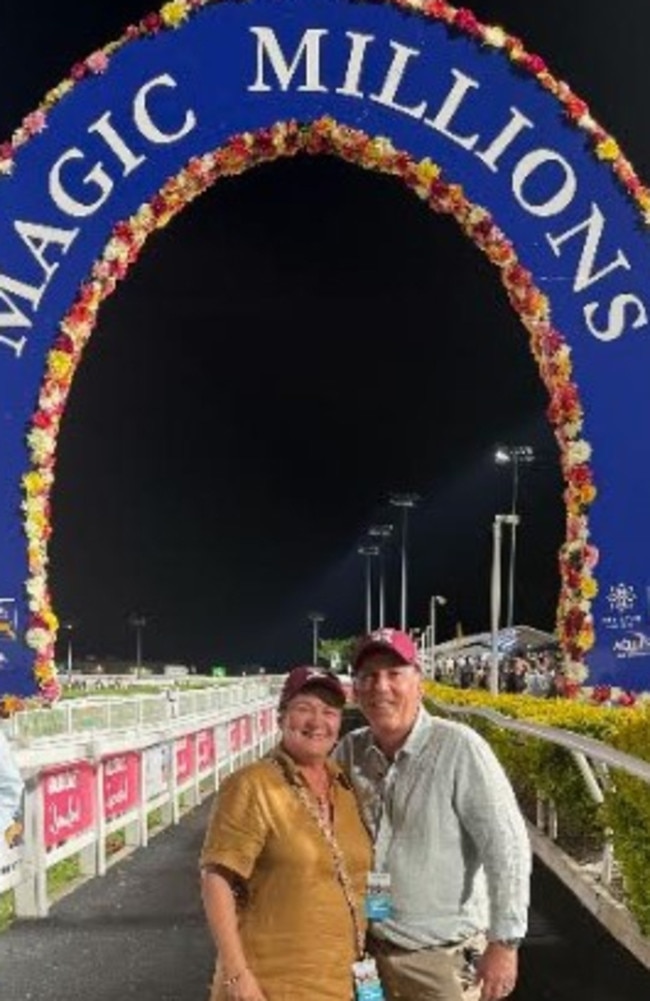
<point x="97" y="62"/>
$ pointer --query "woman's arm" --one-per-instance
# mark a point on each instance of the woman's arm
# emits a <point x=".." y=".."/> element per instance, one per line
<point x="221" y="912"/>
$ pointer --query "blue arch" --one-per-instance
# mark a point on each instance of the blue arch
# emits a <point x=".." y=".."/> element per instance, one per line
<point x="521" y="153"/>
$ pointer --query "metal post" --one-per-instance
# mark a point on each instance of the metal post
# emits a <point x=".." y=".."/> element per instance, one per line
<point x="495" y="605"/>
<point x="404" y="501"/>
<point x="436" y="599"/>
<point x="515" y="455"/>
<point x="513" y="540"/>
<point x="138" y="622"/>
<point x="315" y="618"/>
<point x="403" y="618"/>
<point x="495" y="595"/>
<point x="382" y="532"/>
<point x="368" y="594"/>
<point x="368" y="553"/>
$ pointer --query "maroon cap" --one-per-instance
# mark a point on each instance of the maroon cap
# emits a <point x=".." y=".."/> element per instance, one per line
<point x="386" y="641"/>
<point x="301" y="678"/>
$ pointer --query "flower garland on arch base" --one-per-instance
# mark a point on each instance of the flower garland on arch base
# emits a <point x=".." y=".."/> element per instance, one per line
<point x="577" y="556"/>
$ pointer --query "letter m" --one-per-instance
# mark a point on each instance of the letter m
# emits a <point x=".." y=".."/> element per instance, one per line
<point x="308" y="51"/>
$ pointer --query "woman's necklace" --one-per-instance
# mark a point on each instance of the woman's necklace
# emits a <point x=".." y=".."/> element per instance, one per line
<point x="321" y="791"/>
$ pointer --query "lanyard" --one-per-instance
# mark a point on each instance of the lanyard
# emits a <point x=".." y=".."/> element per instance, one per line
<point x="337" y="854"/>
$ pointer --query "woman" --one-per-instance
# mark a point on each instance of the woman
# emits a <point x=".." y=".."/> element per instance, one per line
<point x="285" y="860"/>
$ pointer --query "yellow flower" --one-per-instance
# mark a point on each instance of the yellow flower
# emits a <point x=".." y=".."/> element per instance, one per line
<point x="33" y="483"/>
<point x="60" y="364"/>
<point x="608" y="149"/>
<point x="427" y="171"/>
<point x="174" y="13"/>
<point x="589" y="587"/>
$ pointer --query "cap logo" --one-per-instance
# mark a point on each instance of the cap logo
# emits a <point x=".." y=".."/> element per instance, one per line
<point x="382" y="635"/>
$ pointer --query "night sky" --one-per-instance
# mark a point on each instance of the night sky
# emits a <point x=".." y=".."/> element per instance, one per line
<point x="298" y="344"/>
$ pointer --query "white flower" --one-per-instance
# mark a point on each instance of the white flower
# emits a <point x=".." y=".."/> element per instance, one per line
<point x="494" y="35"/>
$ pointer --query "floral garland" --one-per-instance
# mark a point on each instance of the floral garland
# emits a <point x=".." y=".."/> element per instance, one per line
<point x="578" y="556"/>
<point x="174" y="14"/>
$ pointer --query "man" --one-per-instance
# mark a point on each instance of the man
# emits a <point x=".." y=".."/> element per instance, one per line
<point x="447" y="831"/>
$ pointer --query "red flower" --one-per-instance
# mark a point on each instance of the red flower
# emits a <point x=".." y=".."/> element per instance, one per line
<point x="466" y="20"/>
<point x="580" y="476"/>
<point x="42" y="419"/>
<point x="601" y="693"/>
<point x="79" y="71"/>
<point x="576" y="107"/>
<point x="152" y="22"/>
<point x="436" y="8"/>
<point x="535" y="64"/>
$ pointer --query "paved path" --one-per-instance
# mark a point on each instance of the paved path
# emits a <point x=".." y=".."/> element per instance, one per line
<point x="139" y="933"/>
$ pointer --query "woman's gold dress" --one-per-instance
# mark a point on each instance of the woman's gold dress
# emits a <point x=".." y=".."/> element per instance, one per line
<point x="296" y="927"/>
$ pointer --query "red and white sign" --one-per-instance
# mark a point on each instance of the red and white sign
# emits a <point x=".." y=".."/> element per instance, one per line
<point x="185" y="758"/>
<point x="121" y="784"/>
<point x="235" y="736"/>
<point x="156" y="770"/>
<point x="68" y="802"/>
<point x="205" y="750"/>
<point x="265" y="722"/>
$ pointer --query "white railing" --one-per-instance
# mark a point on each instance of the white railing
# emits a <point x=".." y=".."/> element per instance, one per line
<point x="102" y="712"/>
<point x="104" y="766"/>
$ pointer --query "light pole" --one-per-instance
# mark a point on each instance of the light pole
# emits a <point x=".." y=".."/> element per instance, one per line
<point x="381" y="532"/>
<point x="495" y="596"/>
<point x="138" y="622"/>
<point x="405" y="502"/>
<point x="515" y="455"/>
<point x="315" y="618"/>
<point x="368" y="553"/>
<point x="436" y="599"/>
<point x="68" y="627"/>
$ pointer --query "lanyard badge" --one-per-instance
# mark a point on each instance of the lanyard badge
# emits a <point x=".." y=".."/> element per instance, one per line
<point x="367" y="985"/>
<point x="379" y="899"/>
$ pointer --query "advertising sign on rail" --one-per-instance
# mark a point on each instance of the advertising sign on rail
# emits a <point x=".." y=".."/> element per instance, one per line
<point x="68" y="802"/>
<point x="121" y="784"/>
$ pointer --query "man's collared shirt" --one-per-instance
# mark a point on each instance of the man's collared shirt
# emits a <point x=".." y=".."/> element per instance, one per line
<point x="447" y="827"/>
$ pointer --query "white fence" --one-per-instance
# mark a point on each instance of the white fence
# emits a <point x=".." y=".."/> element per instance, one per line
<point x="94" y="767"/>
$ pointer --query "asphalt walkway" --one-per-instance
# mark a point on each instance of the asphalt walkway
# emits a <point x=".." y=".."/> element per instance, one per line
<point x="139" y="932"/>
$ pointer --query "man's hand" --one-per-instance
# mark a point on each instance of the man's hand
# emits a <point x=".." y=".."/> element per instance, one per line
<point x="496" y="970"/>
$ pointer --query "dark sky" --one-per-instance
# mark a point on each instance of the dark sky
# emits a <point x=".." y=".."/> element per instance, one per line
<point x="300" y="342"/>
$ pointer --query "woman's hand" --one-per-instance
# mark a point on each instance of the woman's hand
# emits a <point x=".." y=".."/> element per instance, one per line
<point x="245" y="988"/>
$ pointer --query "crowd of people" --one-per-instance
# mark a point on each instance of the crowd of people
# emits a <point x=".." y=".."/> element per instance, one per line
<point x="392" y="863"/>
<point x="533" y="673"/>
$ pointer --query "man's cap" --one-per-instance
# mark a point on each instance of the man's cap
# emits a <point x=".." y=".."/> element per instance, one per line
<point x="304" y="678"/>
<point x="385" y="641"/>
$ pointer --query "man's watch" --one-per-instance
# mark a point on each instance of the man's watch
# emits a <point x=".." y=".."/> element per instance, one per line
<point x="509" y="943"/>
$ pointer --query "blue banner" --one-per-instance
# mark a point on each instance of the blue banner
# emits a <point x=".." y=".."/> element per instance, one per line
<point x="469" y="119"/>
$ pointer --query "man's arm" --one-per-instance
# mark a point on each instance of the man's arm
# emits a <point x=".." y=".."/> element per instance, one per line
<point x="489" y="812"/>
